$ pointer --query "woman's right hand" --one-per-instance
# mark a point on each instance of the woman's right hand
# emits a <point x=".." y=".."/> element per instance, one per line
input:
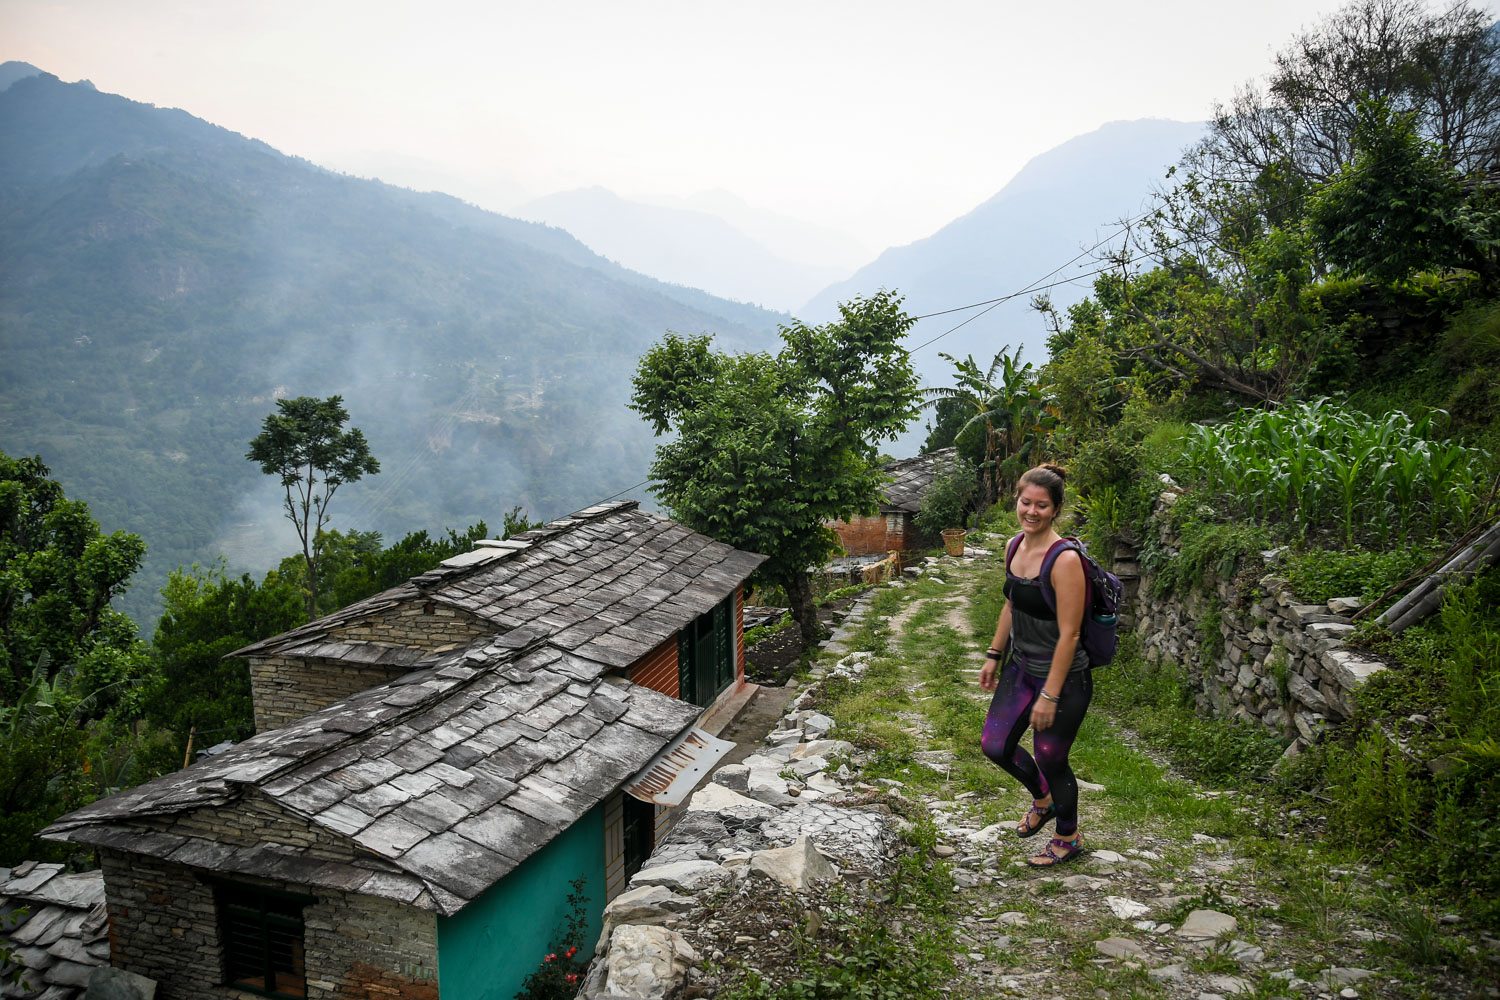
<point x="987" y="675"/>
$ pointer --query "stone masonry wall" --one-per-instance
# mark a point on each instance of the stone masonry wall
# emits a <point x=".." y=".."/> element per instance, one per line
<point x="1277" y="661"/>
<point x="255" y="821"/>
<point x="285" y="689"/>
<point x="164" y="925"/>
<point x="417" y="624"/>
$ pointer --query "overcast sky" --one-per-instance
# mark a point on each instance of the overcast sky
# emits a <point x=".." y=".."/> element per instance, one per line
<point x="883" y="120"/>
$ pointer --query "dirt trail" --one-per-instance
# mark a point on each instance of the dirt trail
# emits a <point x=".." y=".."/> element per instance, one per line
<point x="1186" y="903"/>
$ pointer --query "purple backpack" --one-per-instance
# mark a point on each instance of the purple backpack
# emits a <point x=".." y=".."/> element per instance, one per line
<point x="1102" y="597"/>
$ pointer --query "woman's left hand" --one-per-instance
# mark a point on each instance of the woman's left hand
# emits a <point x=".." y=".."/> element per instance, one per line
<point x="1043" y="714"/>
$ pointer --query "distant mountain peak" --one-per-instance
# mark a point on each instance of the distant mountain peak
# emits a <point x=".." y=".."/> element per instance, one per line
<point x="12" y="71"/>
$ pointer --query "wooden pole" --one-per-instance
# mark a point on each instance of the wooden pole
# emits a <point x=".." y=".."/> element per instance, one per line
<point x="1428" y="595"/>
<point x="187" y="758"/>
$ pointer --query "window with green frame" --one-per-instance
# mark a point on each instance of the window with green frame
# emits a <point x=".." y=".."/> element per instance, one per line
<point x="705" y="655"/>
<point x="261" y="931"/>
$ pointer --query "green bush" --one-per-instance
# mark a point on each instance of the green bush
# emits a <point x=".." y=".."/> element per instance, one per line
<point x="1319" y="574"/>
<point x="950" y="499"/>
<point x="1208" y="549"/>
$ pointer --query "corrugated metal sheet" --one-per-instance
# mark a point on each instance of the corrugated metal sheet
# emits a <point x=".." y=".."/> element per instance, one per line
<point x="676" y="771"/>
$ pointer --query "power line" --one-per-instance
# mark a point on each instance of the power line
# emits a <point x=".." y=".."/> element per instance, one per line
<point x="1123" y="229"/>
<point x="1038" y="285"/>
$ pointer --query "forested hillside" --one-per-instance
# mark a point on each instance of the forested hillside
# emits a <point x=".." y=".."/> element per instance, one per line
<point x="164" y="280"/>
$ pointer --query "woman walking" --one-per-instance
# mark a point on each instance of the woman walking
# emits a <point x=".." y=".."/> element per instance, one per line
<point x="1045" y="681"/>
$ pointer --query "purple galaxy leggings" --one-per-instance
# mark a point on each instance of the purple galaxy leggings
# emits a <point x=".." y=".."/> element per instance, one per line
<point x="1010" y="714"/>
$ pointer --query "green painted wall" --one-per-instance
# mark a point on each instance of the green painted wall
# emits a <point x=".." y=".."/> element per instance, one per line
<point x="494" y="943"/>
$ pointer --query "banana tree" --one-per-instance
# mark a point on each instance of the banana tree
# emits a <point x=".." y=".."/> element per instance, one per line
<point x="1009" y="415"/>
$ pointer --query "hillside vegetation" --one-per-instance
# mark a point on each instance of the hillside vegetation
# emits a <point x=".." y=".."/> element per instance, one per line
<point x="164" y="280"/>
<point x="1303" y="337"/>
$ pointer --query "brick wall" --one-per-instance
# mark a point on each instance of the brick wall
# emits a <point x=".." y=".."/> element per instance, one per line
<point x="163" y="924"/>
<point x="285" y="689"/>
<point x="739" y="636"/>
<point x="869" y="536"/>
<point x="657" y="670"/>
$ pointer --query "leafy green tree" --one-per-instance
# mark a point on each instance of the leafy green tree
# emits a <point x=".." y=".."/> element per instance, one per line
<point x="75" y="676"/>
<point x="58" y="575"/>
<point x="42" y="755"/>
<point x="1394" y="209"/>
<point x="1007" y="416"/>
<point x="306" y="440"/>
<point x="207" y="614"/>
<point x="949" y="417"/>
<point x="769" y="449"/>
<point x="1441" y="67"/>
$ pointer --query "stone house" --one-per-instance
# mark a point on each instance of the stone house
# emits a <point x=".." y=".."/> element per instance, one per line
<point x="892" y="529"/>
<point x="433" y="768"/>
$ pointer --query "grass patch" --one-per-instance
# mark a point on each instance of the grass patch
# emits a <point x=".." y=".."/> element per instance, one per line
<point x="1156" y="702"/>
<point x="895" y="948"/>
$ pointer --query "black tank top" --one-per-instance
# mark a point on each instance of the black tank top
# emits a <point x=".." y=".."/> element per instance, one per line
<point x="1034" y="632"/>
<point x="1026" y="595"/>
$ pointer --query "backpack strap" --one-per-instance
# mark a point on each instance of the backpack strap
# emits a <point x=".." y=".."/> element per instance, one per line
<point x="1058" y="548"/>
<point x="1010" y="550"/>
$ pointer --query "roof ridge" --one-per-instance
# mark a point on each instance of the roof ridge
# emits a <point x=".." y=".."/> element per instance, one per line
<point x="487" y="553"/>
<point x="490" y="551"/>
<point x="512" y="646"/>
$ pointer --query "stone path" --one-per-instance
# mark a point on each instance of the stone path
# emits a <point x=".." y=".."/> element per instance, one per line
<point x="1153" y="910"/>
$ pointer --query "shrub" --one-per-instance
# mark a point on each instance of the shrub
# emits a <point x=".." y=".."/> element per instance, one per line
<point x="949" y="501"/>
<point x="1319" y="574"/>
<point x="557" y="976"/>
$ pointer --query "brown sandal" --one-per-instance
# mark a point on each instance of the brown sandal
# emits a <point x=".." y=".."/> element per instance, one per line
<point x="1053" y="859"/>
<point x="1027" y="828"/>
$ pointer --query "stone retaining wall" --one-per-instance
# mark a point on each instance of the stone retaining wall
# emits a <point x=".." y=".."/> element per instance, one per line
<point x="1271" y="659"/>
<point x="782" y="820"/>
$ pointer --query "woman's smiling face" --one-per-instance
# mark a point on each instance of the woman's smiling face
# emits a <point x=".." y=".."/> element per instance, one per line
<point x="1034" y="508"/>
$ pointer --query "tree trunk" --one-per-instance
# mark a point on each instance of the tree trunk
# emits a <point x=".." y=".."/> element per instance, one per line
<point x="799" y="594"/>
<point x="312" y="590"/>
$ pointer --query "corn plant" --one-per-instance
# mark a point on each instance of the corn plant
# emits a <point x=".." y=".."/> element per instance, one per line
<point x="1318" y="466"/>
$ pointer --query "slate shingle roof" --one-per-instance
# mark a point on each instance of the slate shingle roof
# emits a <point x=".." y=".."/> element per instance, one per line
<point x="910" y="480"/>
<point x="445" y="778"/>
<point x="65" y="933"/>
<point x="441" y="781"/>
<point x="611" y="582"/>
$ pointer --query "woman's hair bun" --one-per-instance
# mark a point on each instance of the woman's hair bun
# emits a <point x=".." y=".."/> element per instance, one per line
<point x="1056" y="470"/>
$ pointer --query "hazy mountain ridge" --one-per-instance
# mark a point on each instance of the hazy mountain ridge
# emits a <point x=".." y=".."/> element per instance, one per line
<point x="683" y="245"/>
<point x="1061" y="202"/>
<point x="12" y="71"/>
<point x="165" y="279"/>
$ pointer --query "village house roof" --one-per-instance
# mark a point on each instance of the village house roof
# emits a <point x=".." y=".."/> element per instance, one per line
<point x="443" y="780"/>
<point x="63" y="934"/>
<point x="910" y="480"/>
<point x="431" y="787"/>
<point x="611" y="583"/>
